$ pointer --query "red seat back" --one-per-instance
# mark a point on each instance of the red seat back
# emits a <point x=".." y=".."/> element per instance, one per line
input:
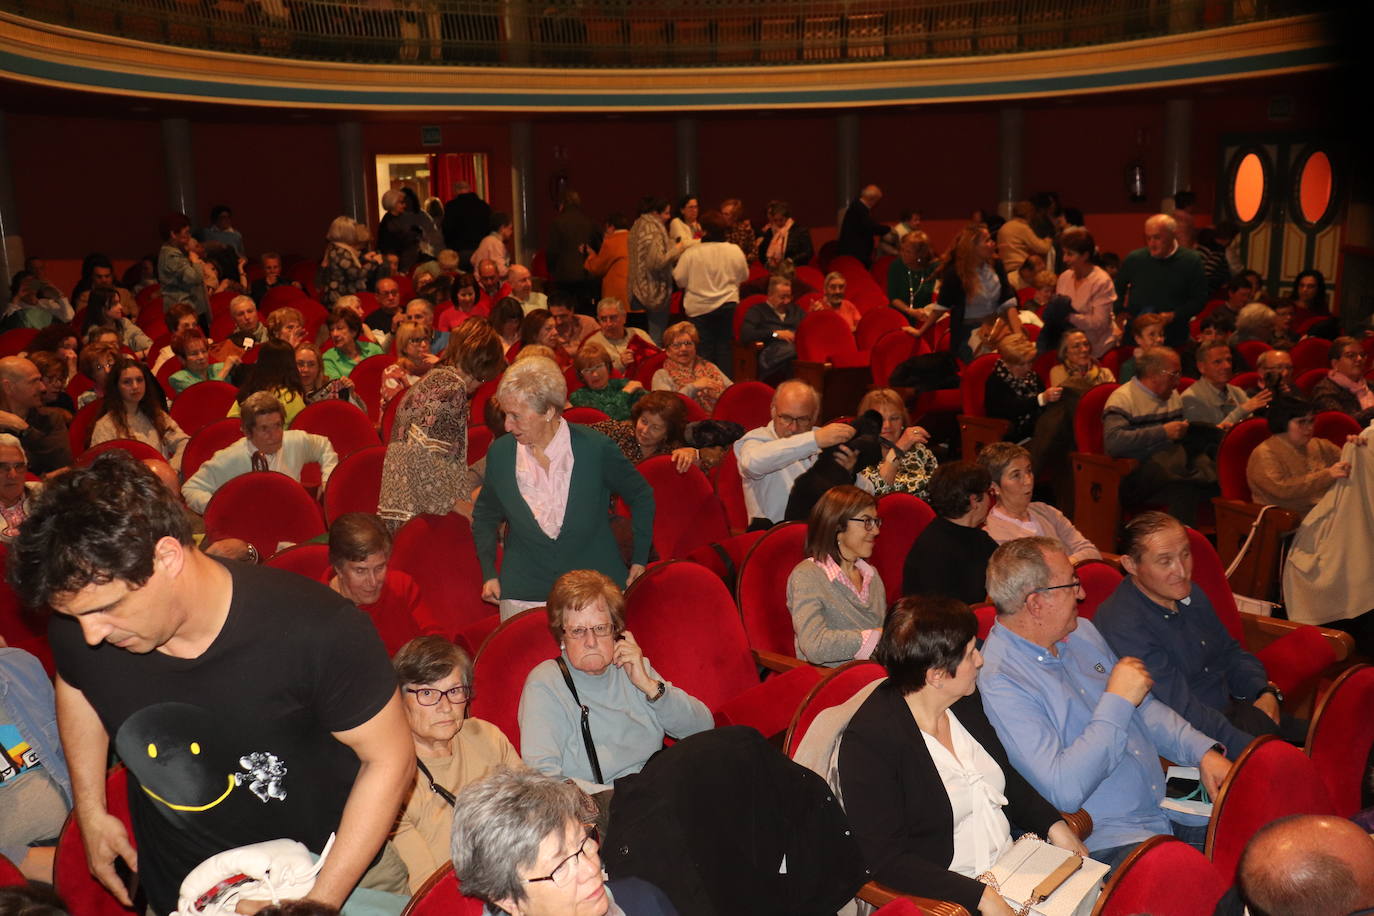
<point x="823" y="336"/>
<point x="439" y="554"/>
<point x="890" y="351"/>
<point x="280" y="296"/>
<point x="171" y="367"/>
<point x="389" y="419"/>
<point x="1335" y="427"/>
<point x="1234" y="454"/>
<point x="479" y="440"/>
<point x="1210" y="576"/>
<point x="367" y="381"/>
<point x="219" y="434"/>
<point x="356" y="484"/>
<point x="16" y="340"/>
<point x="880" y="268"/>
<point x="1308" y="380"/>
<point x="1341" y="734"/>
<point x="309" y="560"/>
<point x="848" y="265"/>
<point x="687" y="514"/>
<point x="1044" y="363"/>
<point x="747" y="403"/>
<point x="503" y="662"/>
<point x="1310" y="353"/>
<point x="1163" y="876"/>
<point x="835" y="689"/>
<point x="345" y="426"/>
<point x="645" y="368"/>
<point x="140" y="451"/>
<point x="79" y="430"/>
<point x="10" y="875"/>
<point x="202" y="404"/>
<point x="585" y="415"/>
<point x="904" y="518"/>
<point x="20" y="628"/>
<point x="71" y="878"/>
<point x="265" y="508"/>
<point x="695" y="411"/>
<point x="762" y="589"/>
<point x="1246" y="380"/>
<point x="730" y="491"/>
<point x="973" y="383"/>
<point x="1087" y="419"/>
<point x="1251" y="350"/>
<point x="440" y="896"/>
<point x="811" y="276"/>
<point x="1271" y="779"/>
<point x="987" y="616"/>
<point x="875" y="323"/>
<point x="1099" y="579"/>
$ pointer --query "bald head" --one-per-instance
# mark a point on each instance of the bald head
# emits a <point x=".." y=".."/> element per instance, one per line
<point x="1307" y="865"/>
<point x="165" y="473"/>
<point x="871" y="194"/>
<point x="795" y="408"/>
<point x="21" y="384"/>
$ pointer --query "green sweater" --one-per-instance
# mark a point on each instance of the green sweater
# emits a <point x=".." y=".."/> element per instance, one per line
<point x="1175" y="284"/>
<point x="532" y="560"/>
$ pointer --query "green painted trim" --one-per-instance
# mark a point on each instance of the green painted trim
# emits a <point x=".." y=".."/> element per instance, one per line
<point x="79" y="75"/>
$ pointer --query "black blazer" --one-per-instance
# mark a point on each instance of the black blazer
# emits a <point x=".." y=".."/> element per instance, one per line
<point x="897" y="804"/>
<point x="952" y="297"/>
<point x="798" y="248"/>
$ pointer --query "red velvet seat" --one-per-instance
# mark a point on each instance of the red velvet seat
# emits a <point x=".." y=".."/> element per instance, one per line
<point x="1234" y="454"/>
<point x="848" y="265"/>
<point x="1269" y="780"/>
<point x="747" y="403"/>
<point x="904" y="518"/>
<point x="280" y="297"/>
<point x="10" y="875"/>
<point x="367" y="381"/>
<point x="222" y="325"/>
<point x="1251" y="350"/>
<point x="71" y="878"/>
<point x="645" y="368"/>
<point x="171" y="367"/>
<point x="987" y="616"/>
<point x="1341" y="734"/>
<point x="265" y="508"/>
<point x="866" y="295"/>
<point x="1246" y="380"/>
<point x="140" y="451"/>
<point x="730" y="491"/>
<point x="1099" y="579"/>
<point x="811" y="275"/>
<point x="902" y="906"/>
<point x="439" y="554"/>
<point x="356" y="483"/>
<point x="1335" y="427"/>
<point x="440" y="896"/>
<point x="202" y="404"/>
<point x="19" y="627"/>
<point x="880" y="268"/>
<point x="479" y="440"/>
<point x="304" y="272"/>
<point x="695" y="411"/>
<point x="344" y="425"/>
<point x="309" y="560"/>
<point x="1044" y="363"/>
<point x="79" y="430"/>
<point x="875" y="324"/>
<point x="1097" y="476"/>
<point x="889" y="352"/>
<point x="219" y="434"/>
<point x="502" y="663"/>
<point x="146" y="296"/>
<point x="824" y="337"/>
<point x="685" y="620"/>
<point x="834" y="689"/>
<point x="1308" y="380"/>
<point x="687" y="514"/>
<point x="78" y="385"/>
<point x="1165" y="877"/>
<point x="1310" y="353"/>
<point x="16" y="340"/>
<point x="584" y="415"/>
<point x="762" y="590"/>
<point x="976" y="428"/>
<point x="389" y="418"/>
<point x="724" y="558"/>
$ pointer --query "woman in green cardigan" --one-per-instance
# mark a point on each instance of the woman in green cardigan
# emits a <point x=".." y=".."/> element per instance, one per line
<point x="550" y="481"/>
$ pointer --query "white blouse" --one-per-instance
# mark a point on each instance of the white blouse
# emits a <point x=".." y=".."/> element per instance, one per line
<point x="974" y="783"/>
<point x="546" y="491"/>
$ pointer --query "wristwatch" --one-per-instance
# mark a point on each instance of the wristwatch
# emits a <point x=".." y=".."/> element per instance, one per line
<point x="662" y="689"/>
<point x="1273" y="688"/>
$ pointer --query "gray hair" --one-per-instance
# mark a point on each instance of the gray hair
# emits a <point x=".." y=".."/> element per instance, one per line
<point x="1270" y="356"/>
<point x="794" y="383"/>
<point x="390" y="199"/>
<point x="10" y="441"/>
<point x="343" y="230"/>
<point x="259" y="404"/>
<point x="834" y="275"/>
<point x="1256" y="321"/>
<point x="1164" y="221"/>
<point x="1016" y="569"/>
<point x="499" y="822"/>
<point x="610" y="302"/>
<point x="537" y="382"/>
<point x="237" y="299"/>
<point x="998" y="456"/>
<point x="1154" y="361"/>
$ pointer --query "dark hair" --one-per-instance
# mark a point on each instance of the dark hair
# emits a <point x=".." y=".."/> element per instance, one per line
<point x="465" y="281"/>
<point x="778" y="208"/>
<point x="299" y="908"/>
<point x="225" y="259"/>
<point x="172" y="222"/>
<point x="475" y="347"/>
<point x="1220" y="320"/>
<point x="1143" y="527"/>
<point x="275" y="371"/>
<point x="652" y="204"/>
<point x="953" y="483"/>
<point x="31" y="899"/>
<point x="355" y="536"/>
<point x="508" y="309"/>
<point x="618" y="220"/>
<point x="498" y="220"/>
<point x="1285" y="409"/>
<point x="348" y="317"/>
<point x="921" y="634"/>
<point x="94" y="525"/>
<point x="1079" y="241"/>
<point x="52" y="336"/>
<point x="218" y="209"/>
<point x="531" y="324"/>
<point x="149" y="405"/>
<point x="669" y="408"/>
<point x="1338" y="345"/>
<point x="1072" y="215"/>
<point x="712" y="226"/>
<point x="684" y="201"/>
<point x="830" y="515"/>
<point x="100" y="299"/>
<point x="1320" y="301"/>
<point x="1109" y="259"/>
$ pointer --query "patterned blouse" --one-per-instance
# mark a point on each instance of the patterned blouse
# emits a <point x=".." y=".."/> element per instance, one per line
<point x="674" y="377"/>
<point x="914" y="470"/>
<point x="426" y="466"/>
<point x="396" y="379"/>
<point x="344" y="274"/>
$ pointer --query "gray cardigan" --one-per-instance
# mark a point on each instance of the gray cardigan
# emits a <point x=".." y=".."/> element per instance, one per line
<point x="827" y="617"/>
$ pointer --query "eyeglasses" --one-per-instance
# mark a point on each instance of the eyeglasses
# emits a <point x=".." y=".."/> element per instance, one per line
<point x="429" y="696"/>
<point x="869" y="522"/>
<point x="600" y="631"/>
<point x="564" y="872"/>
<point x="795" y="421"/>
<point x="1075" y="585"/>
<point x="592" y="370"/>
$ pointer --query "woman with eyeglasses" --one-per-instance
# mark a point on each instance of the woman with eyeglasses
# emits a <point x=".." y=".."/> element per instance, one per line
<point x="1293" y="469"/>
<point x="451" y="749"/>
<point x="836" y="597"/>
<point x="630" y="707"/>
<point x="612" y="396"/>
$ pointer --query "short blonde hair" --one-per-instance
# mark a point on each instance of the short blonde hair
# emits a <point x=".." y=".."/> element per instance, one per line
<point x="579" y="589"/>
<point x="591" y="354"/>
<point x="408" y="331"/>
<point x="342" y="231"/>
<point x="530" y="351"/>
<point x="885" y="397"/>
<point x="1017" y="349"/>
<point x="537" y="382"/>
<point x="675" y="331"/>
<point x="281" y="317"/>
<point x="1046" y="278"/>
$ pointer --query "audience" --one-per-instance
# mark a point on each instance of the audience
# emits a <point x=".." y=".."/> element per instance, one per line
<point x="627" y="346"/>
<point x="1077" y="368"/>
<point x="1293" y="469"/>
<point x="612" y="396"/>
<point x="1212" y="399"/>
<point x="658" y="426"/>
<point x="950" y="557"/>
<point x="611" y="262"/>
<point x="317" y="385"/>
<point x="783" y="239"/>
<point x="540" y="328"/>
<point x="42" y="430"/>
<point x="650" y="264"/>
<point x="773" y="323"/>
<point x="973" y="286"/>
<point x="1345" y="388"/>
<point x="1014" y="392"/>
<point x="1164" y="278"/>
<point x="907" y="463"/>
<point x="17" y="493"/>
<point x="686" y="373"/>
<point x="132" y="411"/>
<point x="574" y="329"/>
<point x="192" y="348"/>
<point x="1148" y="331"/>
<point x="911" y="278"/>
<point x="345" y="330"/>
<point x="1091" y="293"/>
<point x="277" y="373"/>
<point x="359" y="553"/>
<point x="1015" y="515"/>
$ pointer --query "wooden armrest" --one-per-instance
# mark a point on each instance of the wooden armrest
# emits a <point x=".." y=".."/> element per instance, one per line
<point x="1261" y="631"/>
<point x="975" y="433"/>
<point x="1258" y="574"/>
<point x="775" y="661"/>
<point x="1097" y="501"/>
<point x="1080" y="822"/>
<point x="880" y="895"/>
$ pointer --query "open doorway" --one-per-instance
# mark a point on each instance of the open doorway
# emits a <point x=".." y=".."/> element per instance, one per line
<point x="431" y="174"/>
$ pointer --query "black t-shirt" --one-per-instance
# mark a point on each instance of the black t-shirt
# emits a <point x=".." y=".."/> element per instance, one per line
<point x="234" y="747"/>
<point x="950" y="561"/>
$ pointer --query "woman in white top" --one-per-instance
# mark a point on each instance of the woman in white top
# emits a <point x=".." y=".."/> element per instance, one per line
<point x="923" y="775"/>
<point x="1015" y="516"/>
<point x="710" y="275"/>
<point x="132" y="411"/>
<point x="1090" y="291"/>
<point x="684" y="228"/>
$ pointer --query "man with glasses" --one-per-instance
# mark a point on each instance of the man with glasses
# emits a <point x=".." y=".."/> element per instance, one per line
<point x="1076" y="720"/>
<point x="1159" y="615"/>
<point x="16" y="492"/>
<point x="1143" y="420"/>
<point x="773" y="456"/>
<point x="249" y="704"/>
<point x="42" y="430"/>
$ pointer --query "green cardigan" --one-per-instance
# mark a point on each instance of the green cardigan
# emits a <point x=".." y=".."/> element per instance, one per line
<point x="532" y="561"/>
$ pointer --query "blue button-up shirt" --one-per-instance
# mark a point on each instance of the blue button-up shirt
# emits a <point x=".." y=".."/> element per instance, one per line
<point x="1080" y="746"/>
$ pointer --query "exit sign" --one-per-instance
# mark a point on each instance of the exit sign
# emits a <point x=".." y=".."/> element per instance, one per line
<point x="431" y="136"/>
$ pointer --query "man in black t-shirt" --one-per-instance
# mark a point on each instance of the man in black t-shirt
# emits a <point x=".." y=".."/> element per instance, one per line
<point x="248" y="704"/>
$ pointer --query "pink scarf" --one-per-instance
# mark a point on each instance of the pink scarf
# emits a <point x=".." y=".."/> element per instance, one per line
<point x="1359" y="388"/>
<point x="777" y="247"/>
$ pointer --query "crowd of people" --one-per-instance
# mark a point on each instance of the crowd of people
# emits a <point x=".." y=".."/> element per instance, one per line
<point x="203" y="662"/>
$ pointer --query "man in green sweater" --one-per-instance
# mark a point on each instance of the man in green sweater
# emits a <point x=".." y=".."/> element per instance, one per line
<point x="1163" y="277"/>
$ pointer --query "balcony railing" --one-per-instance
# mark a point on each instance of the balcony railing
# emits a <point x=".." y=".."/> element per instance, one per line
<point x="642" y="33"/>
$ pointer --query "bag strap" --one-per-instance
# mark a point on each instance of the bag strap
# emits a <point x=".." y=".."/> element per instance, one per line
<point x="586" y="727"/>
<point x="434" y="787"/>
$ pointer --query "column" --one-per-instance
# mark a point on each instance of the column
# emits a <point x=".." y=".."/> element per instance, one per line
<point x="352" y="181"/>
<point x="11" y="243"/>
<point x="522" y="189"/>
<point x="1009" y="123"/>
<point x="846" y="163"/>
<point x="686" y="156"/>
<point x="1178" y="136"/>
<point x="180" y="169"/>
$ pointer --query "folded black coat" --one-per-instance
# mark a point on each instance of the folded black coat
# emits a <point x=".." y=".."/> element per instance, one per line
<point x="723" y="823"/>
